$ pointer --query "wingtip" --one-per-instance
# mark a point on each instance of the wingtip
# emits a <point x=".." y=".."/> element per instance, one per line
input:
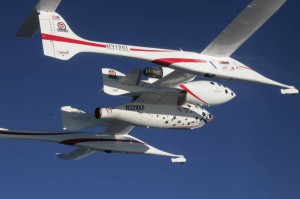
<point x="291" y="91"/>
<point x="180" y="159"/>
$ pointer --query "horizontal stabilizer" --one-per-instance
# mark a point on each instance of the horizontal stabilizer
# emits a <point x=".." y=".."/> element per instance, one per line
<point x="74" y="119"/>
<point x="31" y="25"/>
<point x="47" y="5"/>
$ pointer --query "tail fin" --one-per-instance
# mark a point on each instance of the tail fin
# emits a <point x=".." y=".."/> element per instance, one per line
<point x="59" y="41"/>
<point x="57" y="37"/>
<point x="75" y="119"/>
<point x="55" y="31"/>
<point x="117" y="83"/>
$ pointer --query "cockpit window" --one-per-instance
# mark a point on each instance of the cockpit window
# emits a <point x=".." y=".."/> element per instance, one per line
<point x="226" y="91"/>
<point x="212" y="83"/>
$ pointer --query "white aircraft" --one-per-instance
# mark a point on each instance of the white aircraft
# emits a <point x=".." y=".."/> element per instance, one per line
<point x="60" y="42"/>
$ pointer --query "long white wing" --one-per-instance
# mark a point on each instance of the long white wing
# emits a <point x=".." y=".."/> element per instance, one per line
<point x="242" y="27"/>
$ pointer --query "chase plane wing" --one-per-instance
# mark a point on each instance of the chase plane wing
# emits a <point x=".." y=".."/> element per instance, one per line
<point x="242" y="27"/>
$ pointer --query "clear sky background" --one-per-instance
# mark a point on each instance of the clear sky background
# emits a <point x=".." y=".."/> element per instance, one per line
<point x="251" y="149"/>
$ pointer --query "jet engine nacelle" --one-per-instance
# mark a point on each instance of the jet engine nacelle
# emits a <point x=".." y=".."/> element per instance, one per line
<point x="207" y="93"/>
<point x="154" y="72"/>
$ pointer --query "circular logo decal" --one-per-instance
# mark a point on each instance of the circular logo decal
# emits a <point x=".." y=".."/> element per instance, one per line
<point x="112" y="73"/>
<point x="61" y="26"/>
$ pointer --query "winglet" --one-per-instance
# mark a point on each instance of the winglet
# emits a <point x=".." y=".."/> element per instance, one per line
<point x="179" y="159"/>
<point x="292" y="91"/>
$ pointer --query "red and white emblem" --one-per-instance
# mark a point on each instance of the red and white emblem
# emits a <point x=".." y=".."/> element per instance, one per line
<point x="61" y="26"/>
<point x="112" y="73"/>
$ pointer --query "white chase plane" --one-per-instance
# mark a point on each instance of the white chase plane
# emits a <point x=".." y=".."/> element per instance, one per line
<point x="60" y="42"/>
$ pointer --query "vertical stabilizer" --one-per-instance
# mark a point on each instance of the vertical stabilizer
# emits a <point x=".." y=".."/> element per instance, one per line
<point x="74" y="119"/>
<point x="59" y="41"/>
<point x="57" y="37"/>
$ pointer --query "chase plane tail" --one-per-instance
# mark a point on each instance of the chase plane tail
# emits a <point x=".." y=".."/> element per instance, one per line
<point x="59" y="41"/>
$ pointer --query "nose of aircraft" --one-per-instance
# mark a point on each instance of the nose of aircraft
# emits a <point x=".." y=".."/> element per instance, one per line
<point x="226" y="93"/>
<point x="206" y="116"/>
<point x="210" y="118"/>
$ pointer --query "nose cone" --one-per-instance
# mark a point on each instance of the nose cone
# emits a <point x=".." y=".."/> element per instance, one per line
<point x="230" y="93"/>
<point x="224" y="94"/>
<point x="208" y="118"/>
<point x="207" y="93"/>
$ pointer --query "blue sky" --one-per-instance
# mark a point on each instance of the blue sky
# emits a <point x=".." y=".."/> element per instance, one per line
<point x="251" y="149"/>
